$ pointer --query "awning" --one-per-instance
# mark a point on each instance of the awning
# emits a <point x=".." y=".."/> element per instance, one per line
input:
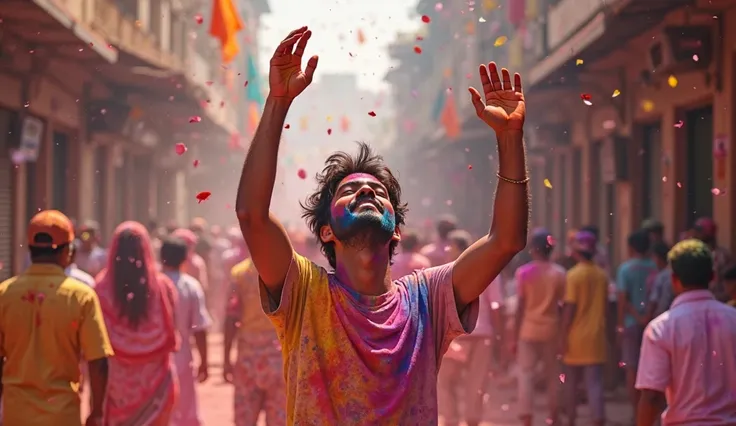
<point x="46" y="23"/>
<point x="607" y="30"/>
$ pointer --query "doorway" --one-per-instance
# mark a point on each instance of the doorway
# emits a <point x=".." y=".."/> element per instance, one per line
<point x="699" y="161"/>
<point x="651" y="167"/>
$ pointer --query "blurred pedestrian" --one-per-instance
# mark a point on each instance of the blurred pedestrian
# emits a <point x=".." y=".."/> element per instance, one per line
<point x="662" y="294"/>
<point x="195" y="265"/>
<point x="192" y="320"/>
<point x="50" y="321"/>
<point x="706" y="230"/>
<point x="541" y="289"/>
<point x="409" y="259"/>
<point x="688" y="356"/>
<point x="73" y="270"/>
<point x="436" y="251"/>
<point x="583" y="340"/>
<point x="138" y="304"/>
<point x="92" y="257"/>
<point x="655" y="230"/>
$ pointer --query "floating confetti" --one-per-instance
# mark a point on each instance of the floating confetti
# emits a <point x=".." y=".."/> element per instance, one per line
<point x="647" y="105"/>
<point x="203" y="196"/>
<point x="586" y="99"/>
<point x="245" y="84"/>
<point x="716" y="191"/>
<point x="287" y="126"/>
<point x="372" y="114"/>
<point x="198" y="19"/>
<point x="547" y="184"/>
<point x="361" y="37"/>
<point x="417" y="50"/>
<point x="470" y="167"/>
<point x="551" y="241"/>
<point x="195" y="163"/>
<point x="426" y="19"/>
<point x="481" y="19"/>
<point x="562" y="378"/>
<point x="438" y="7"/>
<point x="616" y="93"/>
<point x="672" y="81"/>
<point x="500" y="41"/>
<point x="696" y="58"/>
<point x="329" y="131"/>
<point x="180" y="148"/>
<point x="679" y="124"/>
<point x="195" y="119"/>
<point x="579" y="62"/>
<point x="302" y="174"/>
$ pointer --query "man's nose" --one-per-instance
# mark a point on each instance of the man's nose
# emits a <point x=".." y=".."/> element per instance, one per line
<point x="366" y="191"/>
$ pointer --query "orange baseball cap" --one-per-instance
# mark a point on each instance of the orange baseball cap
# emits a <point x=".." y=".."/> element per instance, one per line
<point x="52" y="223"/>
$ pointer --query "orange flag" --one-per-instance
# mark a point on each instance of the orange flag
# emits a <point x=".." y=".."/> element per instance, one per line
<point x="449" y="117"/>
<point x="225" y="25"/>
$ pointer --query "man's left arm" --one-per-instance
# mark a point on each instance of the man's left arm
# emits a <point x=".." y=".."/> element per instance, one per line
<point x="653" y="375"/>
<point x="504" y="110"/>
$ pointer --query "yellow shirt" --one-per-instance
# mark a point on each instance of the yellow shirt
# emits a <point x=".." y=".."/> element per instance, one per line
<point x="47" y="320"/>
<point x="245" y="278"/>
<point x="587" y="289"/>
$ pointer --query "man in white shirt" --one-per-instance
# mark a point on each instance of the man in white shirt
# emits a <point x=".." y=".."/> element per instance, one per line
<point x="73" y="270"/>
<point x="688" y="354"/>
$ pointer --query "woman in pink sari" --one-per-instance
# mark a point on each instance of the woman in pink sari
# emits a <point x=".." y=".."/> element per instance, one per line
<point x="138" y="304"/>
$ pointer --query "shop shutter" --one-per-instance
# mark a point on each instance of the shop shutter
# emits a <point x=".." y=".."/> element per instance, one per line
<point x="6" y="198"/>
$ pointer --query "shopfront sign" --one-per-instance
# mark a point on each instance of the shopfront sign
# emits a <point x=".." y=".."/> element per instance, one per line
<point x="31" y="136"/>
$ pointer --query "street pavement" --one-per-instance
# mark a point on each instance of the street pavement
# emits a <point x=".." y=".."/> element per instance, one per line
<point x="216" y="399"/>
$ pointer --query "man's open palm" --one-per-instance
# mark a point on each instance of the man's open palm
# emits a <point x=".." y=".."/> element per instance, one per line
<point x="286" y="78"/>
<point x="504" y="107"/>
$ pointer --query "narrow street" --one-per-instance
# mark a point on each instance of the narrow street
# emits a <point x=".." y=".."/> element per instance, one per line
<point x="216" y="399"/>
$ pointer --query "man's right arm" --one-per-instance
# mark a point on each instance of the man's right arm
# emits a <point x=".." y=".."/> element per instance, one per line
<point x="95" y="346"/>
<point x="267" y="240"/>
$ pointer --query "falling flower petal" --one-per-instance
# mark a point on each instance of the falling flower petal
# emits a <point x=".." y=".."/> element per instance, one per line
<point x="579" y="62"/>
<point x="287" y="126"/>
<point x="329" y="131"/>
<point x="180" y="148"/>
<point x="586" y="99"/>
<point x="302" y="174"/>
<point x="500" y="41"/>
<point x="198" y="19"/>
<point x="562" y="378"/>
<point x="202" y="196"/>
<point x="372" y="114"/>
<point x="470" y="167"/>
<point x="417" y="50"/>
<point x="616" y="93"/>
<point x="547" y="183"/>
<point x="195" y="119"/>
<point x="679" y="124"/>
<point x="245" y="84"/>
<point x="716" y="191"/>
<point x="551" y="240"/>
<point x="438" y="7"/>
<point x="696" y="58"/>
<point x="195" y="163"/>
<point x="426" y="19"/>
<point x="672" y="81"/>
<point x="481" y="19"/>
<point x="361" y="37"/>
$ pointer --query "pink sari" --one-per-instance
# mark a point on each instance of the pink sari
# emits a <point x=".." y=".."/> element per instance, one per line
<point x="142" y="387"/>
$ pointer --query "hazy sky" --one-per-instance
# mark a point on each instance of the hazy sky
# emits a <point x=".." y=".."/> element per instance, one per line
<point x="335" y="24"/>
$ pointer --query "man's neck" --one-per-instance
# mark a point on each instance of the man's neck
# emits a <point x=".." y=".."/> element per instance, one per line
<point x="364" y="270"/>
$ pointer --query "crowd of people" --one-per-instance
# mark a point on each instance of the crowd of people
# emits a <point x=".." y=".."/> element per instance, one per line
<point x="364" y="322"/>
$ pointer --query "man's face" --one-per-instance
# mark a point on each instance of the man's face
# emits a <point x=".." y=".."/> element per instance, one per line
<point x="88" y="239"/>
<point x="361" y="213"/>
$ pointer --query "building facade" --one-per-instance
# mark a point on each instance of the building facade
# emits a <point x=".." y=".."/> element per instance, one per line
<point x="95" y="96"/>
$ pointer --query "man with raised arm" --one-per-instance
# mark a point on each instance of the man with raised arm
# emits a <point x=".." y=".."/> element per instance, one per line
<point x="359" y="348"/>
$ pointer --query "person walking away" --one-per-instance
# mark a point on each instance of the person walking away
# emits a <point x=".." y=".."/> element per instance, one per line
<point x="468" y="361"/>
<point x="688" y="355"/>
<point x="567" y="260"/>
<point x="634" y="283"/>
<point x="257" y="375"/>
<point x="436" y="251"/>
<point x="73" y="270"/>
<point x="655" y="229"/>
<point x="729" y="284"/>
<point x="540" y="290"/>
<point x="409" y="260"/>
<point x="195" y="265"/>
<point x="706" y="231"/>
<point x="583" y="340"/>
<point x="91" y="258"/>
<point x="192" y="319"/>
<point x="48" y="322"/>
<point x="359" y="348"/>
<point x="662" y="295"/>
<point x="138" y="304"/>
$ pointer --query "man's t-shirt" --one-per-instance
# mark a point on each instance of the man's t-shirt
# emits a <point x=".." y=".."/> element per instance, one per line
<point x="635" y="278"/>
<point x="351" y="359"/>
<point x="47" y="320"/>
<point x="541" y="286"/>
<point x="587" y="289"/>
<point x="662" y="294"/>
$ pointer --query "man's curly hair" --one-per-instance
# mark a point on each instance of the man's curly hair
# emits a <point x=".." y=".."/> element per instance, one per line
<point x="316" y="208"/>
<point x="692" y="262"/>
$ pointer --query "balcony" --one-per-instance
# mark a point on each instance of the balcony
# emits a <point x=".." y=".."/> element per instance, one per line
<point x="128" y="36"/>
<point x="568" y="16"/>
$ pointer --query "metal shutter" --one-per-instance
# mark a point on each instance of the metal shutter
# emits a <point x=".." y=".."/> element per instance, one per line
<point x="6" y="199"/>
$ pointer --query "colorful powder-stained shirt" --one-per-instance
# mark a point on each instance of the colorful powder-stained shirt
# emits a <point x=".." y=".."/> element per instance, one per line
<point x="351" y="359"/>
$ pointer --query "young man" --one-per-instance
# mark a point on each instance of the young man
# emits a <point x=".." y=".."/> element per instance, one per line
<point x="634" y="282"/>
<point x="73" y="270"/>
<point x="358" y="347"/>
<point x="662" y="295"/>
<point x="688" y="356"/>
<point x="541" y="288"/>
<point x="257" y="375"/>
<point x="706" y="231"/>
<point x="583" y="342"/>
<point x="409" y="260"/>
<point x="92" y="258"/>
<point x="48" y="322"/>
<point x="436" y="252"/>
<point x="192" y="319"/>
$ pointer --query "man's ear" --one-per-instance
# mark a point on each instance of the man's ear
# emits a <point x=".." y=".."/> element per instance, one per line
<point x="397" y="234"/>
<point x="326" y="235"/>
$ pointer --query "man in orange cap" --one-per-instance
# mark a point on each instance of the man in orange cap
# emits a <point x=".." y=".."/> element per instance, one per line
<point x="48" y="321"/>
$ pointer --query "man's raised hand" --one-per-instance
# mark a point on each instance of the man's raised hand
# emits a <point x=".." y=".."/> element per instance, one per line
<point x="286" y="77"/>
<point x="504" y="107"/>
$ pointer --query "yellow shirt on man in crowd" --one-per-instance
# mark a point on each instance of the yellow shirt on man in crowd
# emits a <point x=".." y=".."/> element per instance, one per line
<point x="47" y="321"/>
<point x="587" y="289"/>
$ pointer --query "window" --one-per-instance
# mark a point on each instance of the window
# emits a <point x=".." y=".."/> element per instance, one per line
<point x="699" y="163"/>
<point x="60" y="165"/>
